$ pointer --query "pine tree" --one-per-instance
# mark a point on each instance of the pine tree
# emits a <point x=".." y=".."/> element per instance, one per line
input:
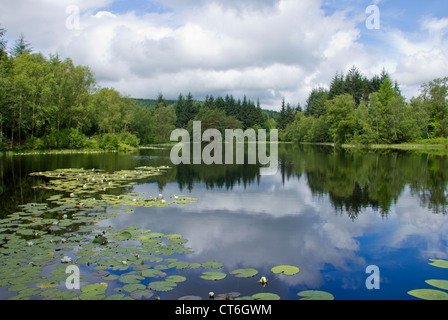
<point x="3" y="43"/>
<point x="182" y="117"/>
<point x="21" y="46"/>
<point x="282" y="120"/>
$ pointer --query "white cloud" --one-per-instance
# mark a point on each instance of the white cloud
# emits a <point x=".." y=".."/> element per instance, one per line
<point x="267" y="49"/>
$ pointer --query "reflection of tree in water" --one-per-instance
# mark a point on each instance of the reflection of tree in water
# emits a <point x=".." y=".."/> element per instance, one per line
<point x="217" y="176"/>
<point x="355" y="180"/>
<point x="352" y="180"/>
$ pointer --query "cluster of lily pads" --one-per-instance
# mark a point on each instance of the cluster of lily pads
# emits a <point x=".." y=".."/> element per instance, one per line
<point x="40" y="241"/>
<point x="433" y="294"/>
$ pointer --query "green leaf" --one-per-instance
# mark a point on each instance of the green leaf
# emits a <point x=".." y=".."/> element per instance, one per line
<point x="439" y="263"/>
<point x="140" y="294"/>
<point x="134" y="286"/>
<point x="315" y="295"/>
<point x="266" y="296"/>
<point x="176" y="279"/>
<point x="123" y="236"/>
<point x="97" y="288"/>
<point x="212" y="265"/>
<point x="285" y="269"/>
<point x="244" y="272"/>
<point x="429" y="294"/>
<point x="213" y="275"/>
<point x="162" y="285"/>
<point x="148" y="273"/>
<point x="441" y="284"/>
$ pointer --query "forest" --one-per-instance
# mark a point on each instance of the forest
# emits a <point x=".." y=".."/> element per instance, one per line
<point x="358" y="110"/>
<point x="50" y="103"/>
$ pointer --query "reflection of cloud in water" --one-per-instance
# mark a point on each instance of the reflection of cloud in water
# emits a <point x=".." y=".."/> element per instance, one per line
<point x="255" y="227"/>
<point x="281" y="222"/>
<point x="412" y="221"/>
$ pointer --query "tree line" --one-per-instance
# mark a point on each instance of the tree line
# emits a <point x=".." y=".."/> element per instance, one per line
<point x="368" y="111"/>
<point x="50" y="103"/>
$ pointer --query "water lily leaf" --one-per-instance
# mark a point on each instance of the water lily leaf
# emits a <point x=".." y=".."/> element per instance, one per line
<point x="441" y="284"/>
<point x="190" y="298"/>
<point x="134" y="286"/>
<point x="179" y="264"/>
<point x="440" y="263"/>
<point x="48" y="284"/>
<point x="131" y="278"/>
<point x="213" y="275"/>
<point x="123" y="236"/>
<point x="162" y="285"/>
<point x="140" y="294"/>
<point x="110" y="277"/>
<point x="91" y="296"/>
<point x="173" y="236"/>
<point x="285" y="269"/>
<point x="96" y="288"/>
<point x="244" y="272"/>
<point x="176" y="279"/>
<point x="429" y="294"/>
<point x="212" y="265"/>
<point x="266" y="296"/>
<point x="148" y="273"/>
<point x="118" y="296"/>
<point x="315" y="295"/>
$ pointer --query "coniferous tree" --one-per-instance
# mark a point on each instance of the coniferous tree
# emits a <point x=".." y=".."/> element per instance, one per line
<point x="21" y="46"/>
<point x="316" y="102"/>
<point x="181" y="114"/>
<point x="3" y="44"/>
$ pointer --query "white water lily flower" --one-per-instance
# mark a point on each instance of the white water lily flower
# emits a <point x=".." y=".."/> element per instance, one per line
<point x="30" y="243"/>
<point x="263" y="280"/>
<point x="66" y="259"/>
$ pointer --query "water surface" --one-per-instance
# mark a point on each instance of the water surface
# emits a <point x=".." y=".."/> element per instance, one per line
<point x="331" y="213"/>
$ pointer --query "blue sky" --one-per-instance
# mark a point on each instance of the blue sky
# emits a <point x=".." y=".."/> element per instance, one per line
<point x="267" y="49"/>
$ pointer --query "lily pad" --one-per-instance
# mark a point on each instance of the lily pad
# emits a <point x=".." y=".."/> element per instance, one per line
<point x="176" y="279"/>
<point x="123" y="236"/>
<point x="148" y="273"/>
<point x="441" y="284"/>
<point x="285" y="269"/>
<point x="134" y="286"/>
<point x="162" y="285"/>
<point x="192" y="298"/>
<point x="97" y="288"/>
<point x="315" y="295"/>
<point x="140" y="294"/>
<point x="429" y="294"/>
<point x="244" y="272"/>
<point x="212" y="265"/>
<point x="213" y="275"/>
<point x="440" y="263"/>
<point x="266" y="296"/>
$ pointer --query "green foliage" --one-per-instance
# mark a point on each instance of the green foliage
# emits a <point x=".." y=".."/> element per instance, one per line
<point x="124" y="141"/>
<point x="360" y="111"/>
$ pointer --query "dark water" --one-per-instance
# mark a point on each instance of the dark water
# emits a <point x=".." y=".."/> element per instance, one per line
<point x="330" y="213"/>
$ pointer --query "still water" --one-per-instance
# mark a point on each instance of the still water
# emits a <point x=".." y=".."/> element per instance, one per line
<point x="330" y="213"/>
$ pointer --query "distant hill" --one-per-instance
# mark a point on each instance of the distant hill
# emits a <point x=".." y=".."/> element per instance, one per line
<point x="152" y="103"/>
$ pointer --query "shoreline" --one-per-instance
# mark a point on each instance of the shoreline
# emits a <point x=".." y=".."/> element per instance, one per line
<point x="404" y="147"/>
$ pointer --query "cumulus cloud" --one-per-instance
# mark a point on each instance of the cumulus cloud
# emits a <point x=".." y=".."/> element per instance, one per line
<point x="266" y="49"/>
